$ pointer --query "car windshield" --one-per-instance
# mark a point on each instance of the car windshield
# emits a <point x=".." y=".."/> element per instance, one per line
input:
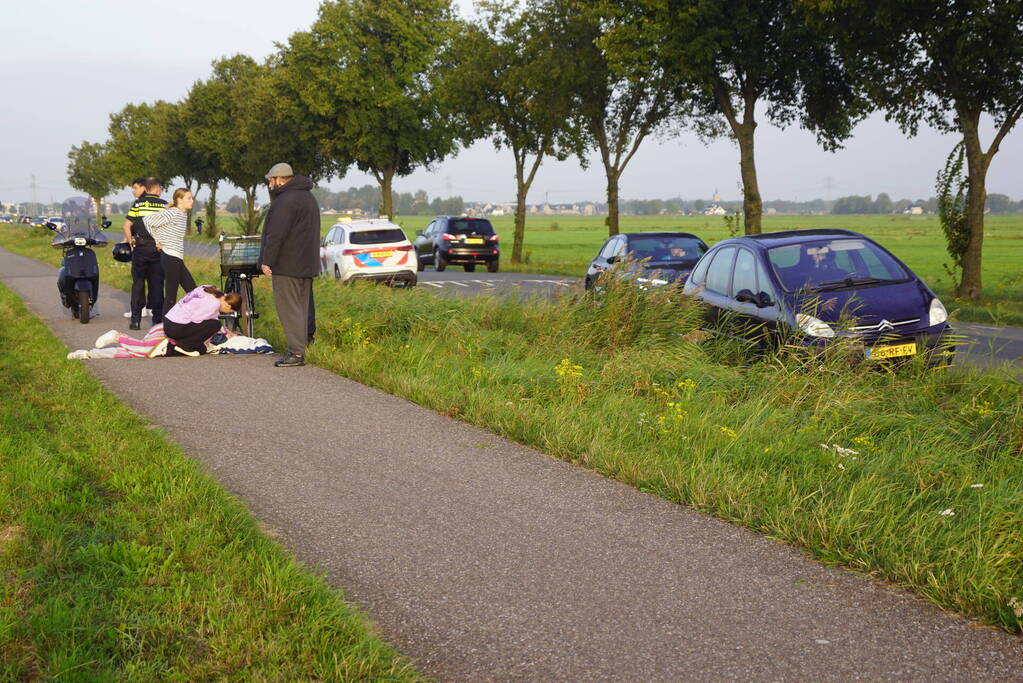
<point x="381" y="236"/>
<point x="469" y="226"/>
<point x="833" y="264"/>
<point x="665" y="248"/>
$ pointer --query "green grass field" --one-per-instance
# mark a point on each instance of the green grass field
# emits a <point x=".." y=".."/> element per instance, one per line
<point x="120" y="559"/>
<point x="913" y="476"/>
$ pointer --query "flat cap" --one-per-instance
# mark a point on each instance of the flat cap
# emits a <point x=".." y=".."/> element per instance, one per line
<point x="281" y="170"/>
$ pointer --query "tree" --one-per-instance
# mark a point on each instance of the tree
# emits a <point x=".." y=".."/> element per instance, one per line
<point x="504" y="82"/>
<point x="236" y="204"/>
<point x="945" y="64"/>
<point x="612" y="110"/>
<point x="731" y="55"/>
<point x="91" y="170"/>
<point x="138" y="143"/>
<point x="365" y="75"/>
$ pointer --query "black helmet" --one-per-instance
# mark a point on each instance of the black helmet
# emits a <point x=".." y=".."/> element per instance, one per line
<point x="122" y="252"/>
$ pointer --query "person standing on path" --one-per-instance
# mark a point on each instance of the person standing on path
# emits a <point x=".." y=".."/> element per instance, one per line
<point x="168" y="227"/>
<point x="290" y="255"/>
<point x="146" y="270"/>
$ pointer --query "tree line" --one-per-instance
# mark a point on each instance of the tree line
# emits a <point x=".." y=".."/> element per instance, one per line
<point x="389" y="86"/>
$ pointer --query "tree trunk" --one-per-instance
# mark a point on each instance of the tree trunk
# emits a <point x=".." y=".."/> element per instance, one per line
<point x="522" y="189"/>
<point x="98" y="201"/>
<point x="612" y="200"/>
<point x="752" y="203"/>
<point x="386" y="179"/>
<point x="250" y="210"/>
<point x="976" y="197"/>
<point x="211" y="210"/>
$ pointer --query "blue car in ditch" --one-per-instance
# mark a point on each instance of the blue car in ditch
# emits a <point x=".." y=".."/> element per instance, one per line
<point x="817" y="286"/>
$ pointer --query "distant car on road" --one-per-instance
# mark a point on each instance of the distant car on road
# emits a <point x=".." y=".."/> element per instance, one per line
<point x="815" y="286"/>
<point x="458" y="240"/>
<point x="6" y="219"/>
<point x="57" y="221"/>
<point x="658" y="257"/>
<point x="372" y="249"/>
<point x="39" y="222"/>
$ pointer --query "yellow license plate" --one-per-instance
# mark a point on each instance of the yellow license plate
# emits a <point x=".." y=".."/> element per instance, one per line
<point x="891" y="351"/>
<point x="474" y="240"/>
<point x="381" y="254"/>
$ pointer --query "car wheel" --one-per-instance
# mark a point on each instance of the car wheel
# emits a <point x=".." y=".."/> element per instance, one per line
<point x="493" y="266"/>
<point x="439" y="262"/>
<point x="420" y="266"/>
<point x="470" y="267"/>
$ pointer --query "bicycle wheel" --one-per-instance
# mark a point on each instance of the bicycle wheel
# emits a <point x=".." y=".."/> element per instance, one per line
<point x="248" y="308"/>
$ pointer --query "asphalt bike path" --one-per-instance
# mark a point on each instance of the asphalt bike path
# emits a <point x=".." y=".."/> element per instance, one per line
<point x="481" y="559"/>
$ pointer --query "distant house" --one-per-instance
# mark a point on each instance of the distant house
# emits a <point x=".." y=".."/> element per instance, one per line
<point x="715" y="210"/>
<point x="914" y="211"/>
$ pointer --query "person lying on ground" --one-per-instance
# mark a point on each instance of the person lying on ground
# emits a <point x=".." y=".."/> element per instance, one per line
<point x="113" y="344"/>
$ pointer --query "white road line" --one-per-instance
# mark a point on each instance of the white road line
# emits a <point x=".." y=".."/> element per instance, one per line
<point x="456" y="282"/>
<point x="432" y="284"/>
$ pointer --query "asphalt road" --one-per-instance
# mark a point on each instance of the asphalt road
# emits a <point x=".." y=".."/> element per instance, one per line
<point x="484" y="560"/>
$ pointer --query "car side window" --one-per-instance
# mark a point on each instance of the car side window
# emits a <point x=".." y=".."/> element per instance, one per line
<point x="339" y="236"/>
<point x="765" y="285"/>
<point x="608" y="248"/>
<point x="745" y="274"/>
<point x="719" y="275"/>
<point x="330" y="237"/>
<point x="620" y="246"/>
<point x="699" y="274"/>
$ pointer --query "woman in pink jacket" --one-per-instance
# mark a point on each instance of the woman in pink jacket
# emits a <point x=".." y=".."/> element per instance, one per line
<point x="196" y="318"/>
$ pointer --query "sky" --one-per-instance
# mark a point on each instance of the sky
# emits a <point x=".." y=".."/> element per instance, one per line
<point x="67" y="65"/>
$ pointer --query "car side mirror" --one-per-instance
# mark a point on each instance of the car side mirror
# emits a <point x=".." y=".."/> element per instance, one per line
<point x="764" y="300"/>
<point x="745" y="296"/>
<point x="419" y="233"/>
<point x="612" y="259"/>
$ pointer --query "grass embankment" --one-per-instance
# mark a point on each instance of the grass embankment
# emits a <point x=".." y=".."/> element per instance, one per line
<point x="121" y="560"/>
<point x="915" y="477"/>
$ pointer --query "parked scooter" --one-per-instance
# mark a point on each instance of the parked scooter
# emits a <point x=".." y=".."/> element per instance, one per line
<point x="78" y="278"/>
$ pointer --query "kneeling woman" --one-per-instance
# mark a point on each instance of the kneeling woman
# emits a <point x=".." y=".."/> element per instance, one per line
<point x="196" y="318"/>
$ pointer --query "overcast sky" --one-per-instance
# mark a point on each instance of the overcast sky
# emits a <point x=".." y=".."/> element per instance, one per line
<point x="68" y="64"/>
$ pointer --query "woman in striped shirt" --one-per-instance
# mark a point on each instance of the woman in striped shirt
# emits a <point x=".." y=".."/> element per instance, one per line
<point x="169" y="227"/>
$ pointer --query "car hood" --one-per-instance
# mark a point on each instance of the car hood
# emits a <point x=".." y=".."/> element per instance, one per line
<point x="870" y="305"/>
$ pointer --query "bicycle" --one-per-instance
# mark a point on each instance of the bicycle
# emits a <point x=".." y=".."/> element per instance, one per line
<point x="239" y="259"/>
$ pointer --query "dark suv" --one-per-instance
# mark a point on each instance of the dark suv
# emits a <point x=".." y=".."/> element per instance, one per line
<point x="458" y="240"/>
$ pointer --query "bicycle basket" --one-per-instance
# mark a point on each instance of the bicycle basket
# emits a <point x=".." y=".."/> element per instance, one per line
<point x="239" y="254"/>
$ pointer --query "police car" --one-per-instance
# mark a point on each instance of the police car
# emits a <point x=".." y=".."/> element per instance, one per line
<point x="371" y="249"/>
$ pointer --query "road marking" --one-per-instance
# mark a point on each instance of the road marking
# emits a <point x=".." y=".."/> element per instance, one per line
<point x="456" y="282"/>
<point x="432" y="284"/>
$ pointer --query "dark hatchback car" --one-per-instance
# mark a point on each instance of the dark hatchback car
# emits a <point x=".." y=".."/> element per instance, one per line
<point x="461" y="240"/>
<point x="659" y="258"/>
<point x="814" y="286"/>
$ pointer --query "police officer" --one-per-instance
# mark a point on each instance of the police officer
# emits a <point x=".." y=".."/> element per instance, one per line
<point x="146" y="271"/>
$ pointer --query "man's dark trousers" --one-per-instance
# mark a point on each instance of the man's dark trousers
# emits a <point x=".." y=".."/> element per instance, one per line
<point x="291" y="297"/>
<point x="146" y="273"/>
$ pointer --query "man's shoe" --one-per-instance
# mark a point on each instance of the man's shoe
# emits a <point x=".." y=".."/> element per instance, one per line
<point x="134" y="325"/>
<point x="290" y="361"/>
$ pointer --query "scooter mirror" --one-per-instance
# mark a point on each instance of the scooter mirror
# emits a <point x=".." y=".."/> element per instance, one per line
<point x="106" y="224"/>
<point x="51" y="226"/>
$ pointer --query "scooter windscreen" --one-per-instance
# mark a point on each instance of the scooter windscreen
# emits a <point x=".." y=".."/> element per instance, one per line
<point x="75" y="226"/>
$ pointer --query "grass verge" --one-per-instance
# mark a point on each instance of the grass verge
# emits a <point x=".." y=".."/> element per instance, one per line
<point x="913" y="476"/>
<point x="121" y="559"/>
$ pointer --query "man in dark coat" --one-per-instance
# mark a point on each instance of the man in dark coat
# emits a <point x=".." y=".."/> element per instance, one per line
<point x="291" y="255"/>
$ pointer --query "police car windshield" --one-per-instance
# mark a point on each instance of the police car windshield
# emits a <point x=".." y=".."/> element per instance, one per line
<point x="381" y="236"/>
